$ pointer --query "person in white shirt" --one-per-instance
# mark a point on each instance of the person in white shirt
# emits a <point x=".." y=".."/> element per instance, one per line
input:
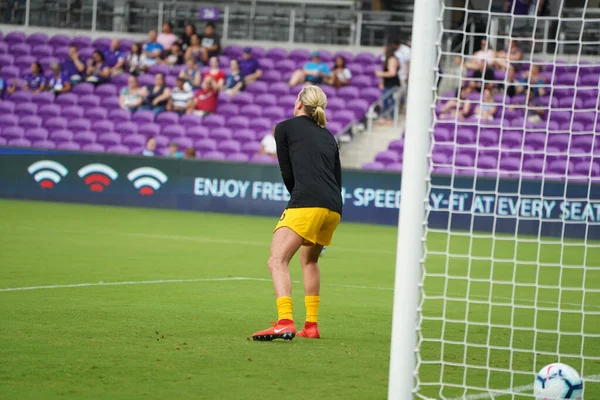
<point x="403" y="54"/>
<point x="340" y="75"/>
<point x="486" y="55"/>
<point x="268" y="145"/>
<point x="180" y="97"/>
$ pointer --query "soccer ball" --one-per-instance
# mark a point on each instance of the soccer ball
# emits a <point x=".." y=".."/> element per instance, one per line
<point x="556" y="382"/>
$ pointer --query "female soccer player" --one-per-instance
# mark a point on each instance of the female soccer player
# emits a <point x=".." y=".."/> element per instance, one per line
<point x="310" y="166"/>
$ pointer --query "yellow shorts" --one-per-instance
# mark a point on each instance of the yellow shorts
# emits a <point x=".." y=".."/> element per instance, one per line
<point x="314" y="224"/>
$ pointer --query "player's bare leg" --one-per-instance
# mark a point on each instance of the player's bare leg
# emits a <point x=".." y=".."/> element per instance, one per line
<point x="309" y="258"/>
<point x="285" y="244"/>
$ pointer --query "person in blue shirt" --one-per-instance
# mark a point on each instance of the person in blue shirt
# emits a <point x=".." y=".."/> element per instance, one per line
<point x="59" y="81"/>
<point x="313" y="72"/>
<point x="173" y="151"/>
<point x="234" y="83"/>
<point x="250" y="67"/>
<point x="35" y="81"/>
<point x="152" y="49"/>
<point x="114" y="57"/>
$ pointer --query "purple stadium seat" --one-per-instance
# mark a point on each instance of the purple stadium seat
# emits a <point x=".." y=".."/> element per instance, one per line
<point x="220" y="134"/>
<point x="3" y="48"/>
<point x="274" y="113"/>
<point x="102" y="43"/>
<point x="183" y="142"/>
<point x="119" y="115"/>
<point x="279" y="89"/>
<point x="285" y="66"/>
<point x="42" y="50"/>
<point x="109" y="139"/>
<point x="7" y="120"/>
<point x="260" y="124"/>
<point x="162" y="141"/>
<point x="61" y="52"/>
<point x="299" y="55"/>
<point x="20" y="142"/>
<point x="173" y="131"/>
<point x="512" y="139"/>
<point x="536" y="140"/>
<point x="214" y="155"/>
<point x="70" y="146"/>
<point x="510" y="164"/>
<point x="196" y="132"/>
<point x="117" y="149"/>
<point x="356" y="69"/>
<point x="190" y="120"/>
<point x="15" y="37"/>
<point x="143" y="116"/>
<point x="266" y="100"/>
<point x="266" y="64"/>
<point x="10" y="72"/>
<point x="106" y="90"/>
<point x="251" y="148"/>
<point x="72" y="112"/>
<point x="487" y="162"/>
<point x="93" y="147"/>
<point x="263" y="159"/>
<point x="47" y="61"/>
<point x="229" y="146"/>
<point x="89" y="100"/>
<point x="7" y="107"/>
<point x="374" y="166"/>
<point x="43" y="144"/>
<point x="96" y="113"/>
<point x="22" y="49"/>
<point x="229" y="109"/>
<point x="344" y="117"/>
<point x="30" y="121"/>
<point x="245" y="98"/>
<point x="271" y="76"/>
<point x="204" y="145"/>
<point x="567" y="79"/>
<point x="126" y="44"/>
<point x="81" y="41"/>
<point x="365" y="58"/>
<point x="83" y="88"/>
<point x="103" y="127"/>
<point x="134" y="140"/>
<point x="126" y="128"/>
<point x="358" y="106"/>
<point x="55" y="123"/>
<point x="394" y="167"/>
<point x="258" y="87"/>
<point x="387" y="157"/>
<point x="348" y="92"/>
<point x="59" y="40"/>
<point x="85" y="53"/>
<point x="238" y="122"/>
<point x="148" y="129"/>
<point x="43" y="98"/>
<point x="61" y="135"/>
<point x="370" y="94"/>
<point x="288" y="101"/>
<point x="34" y="134"/>
<point x="12" y="132"/>
<point x="6" y="60"/>
<point x="237" y="157"/>
<point x="276" y="53"/>
<point x="66" y="99"/>
<point x="213" y="121"/>
<point x="361" y="81"/>
<point x="21" y="97"/>
<point x="243" y="135"/>
<point x="334" y="127"/>
<point x="167" y="118"/>
<point x="120" y="79"/>
<point x="84" y="138"/>
<point x="26" y="109"/>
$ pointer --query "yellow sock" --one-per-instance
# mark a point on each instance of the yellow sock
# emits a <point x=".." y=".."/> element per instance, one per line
<point x="312" y="308"/>
<point x="284" y="308"/>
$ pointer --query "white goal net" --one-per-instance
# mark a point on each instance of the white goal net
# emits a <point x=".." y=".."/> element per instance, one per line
<point x="511" y="268"/>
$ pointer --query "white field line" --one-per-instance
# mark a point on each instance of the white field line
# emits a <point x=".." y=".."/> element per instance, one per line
<point x="496" y="394"/>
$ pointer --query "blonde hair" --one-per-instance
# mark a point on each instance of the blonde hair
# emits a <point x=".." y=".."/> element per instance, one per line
<point x="315" y="101"/>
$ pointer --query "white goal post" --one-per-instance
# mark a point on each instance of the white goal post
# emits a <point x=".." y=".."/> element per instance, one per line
<point x="498" y="253"/>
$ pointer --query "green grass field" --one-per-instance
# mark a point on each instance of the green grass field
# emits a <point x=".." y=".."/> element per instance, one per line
<point x="178" y="326"/>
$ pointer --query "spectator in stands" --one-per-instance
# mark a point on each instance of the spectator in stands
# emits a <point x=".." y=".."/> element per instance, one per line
<point x="486" y="110"/>
<point x="249" y="66"/>
<point x="390" y="82"/>
<point x="132" y="96"/>
<point x="59" y="80"/>
<point x="150" y="148"/>
<point x="535" y="82"/>
<point x="157" y="95"/>
<point x="167" y="38"/>
<point x="452" y="107"/>
<point x="73" y="66"/>
<point x="191" y="74"/>
<point x="189" y="153"/>
<point x="340" y="76"/>
<point x="194" y="50"/>
<point x="484" y="56"/>
<point x="513" y="86"/>
<point x="235" y="81"/>
<point x="483" y="77"/>
<point x="403" y="53"/>
<point x="173" y="56"/>
<point x="185" y="38"/>
<point x="3" y="85"/>
<point x="268" y="145"/>
<point x="527" y="7"/>
<point x="136" y="60"/>
<point x="205" y="99"/>
<point x="98" y="71"/>
<point x="512" y="54"/>
<point x="115" y="58"/>
<point x="173" y="151"/>
<point x="35" y="81"/>
<point x="180" y="97"/>
<point x="210" y="43"/>
<point x="215" y="72"/>
<point x="313" y="72"/>
<point x="152" y="49"/>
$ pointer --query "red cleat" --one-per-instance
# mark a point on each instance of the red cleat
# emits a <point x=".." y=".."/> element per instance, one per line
<point x="285" y="331"/>
<point x="310" y="331"/>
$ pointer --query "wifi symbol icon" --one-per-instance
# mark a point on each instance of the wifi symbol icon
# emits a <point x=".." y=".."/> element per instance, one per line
<point x="147" y="180"/>
<point x="47" y="173"/>
<point x="97" y="176"/>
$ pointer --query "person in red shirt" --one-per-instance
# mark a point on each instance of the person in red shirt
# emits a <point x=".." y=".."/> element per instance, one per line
<point x="205" y="99"/>
<point x="215" y="72"/>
